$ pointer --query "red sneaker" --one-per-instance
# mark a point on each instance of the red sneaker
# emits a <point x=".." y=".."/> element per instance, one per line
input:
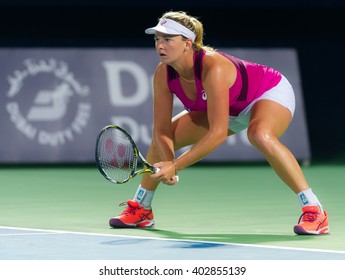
<point x="312" y="221"/>
<point x="133" y="216"/>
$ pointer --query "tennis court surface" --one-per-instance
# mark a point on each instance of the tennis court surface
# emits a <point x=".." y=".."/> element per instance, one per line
<point x="222" y="212"/>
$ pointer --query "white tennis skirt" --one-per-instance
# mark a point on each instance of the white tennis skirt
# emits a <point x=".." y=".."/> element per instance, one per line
<point x="282" y="93"/>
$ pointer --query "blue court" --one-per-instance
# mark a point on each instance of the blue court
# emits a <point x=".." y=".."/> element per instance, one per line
<point x="31" y="244"/>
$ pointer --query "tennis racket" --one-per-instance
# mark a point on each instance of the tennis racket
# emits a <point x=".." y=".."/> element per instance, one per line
<point x="117" y="156"/>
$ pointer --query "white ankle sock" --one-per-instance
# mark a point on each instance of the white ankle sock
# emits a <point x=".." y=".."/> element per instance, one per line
<point x="144" y="197"/>
<point x="308" y="198"/>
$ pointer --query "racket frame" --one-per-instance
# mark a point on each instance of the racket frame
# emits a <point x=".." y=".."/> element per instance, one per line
<point x="148" y="168"/>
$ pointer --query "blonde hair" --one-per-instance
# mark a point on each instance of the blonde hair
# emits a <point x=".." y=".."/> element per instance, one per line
<point x="192" y="23"/>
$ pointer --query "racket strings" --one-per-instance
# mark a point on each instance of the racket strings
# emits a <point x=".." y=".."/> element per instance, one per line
<point x="116" y="154"/>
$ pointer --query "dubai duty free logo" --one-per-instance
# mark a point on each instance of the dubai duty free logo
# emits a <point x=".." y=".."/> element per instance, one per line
<point x="46" y="102"/>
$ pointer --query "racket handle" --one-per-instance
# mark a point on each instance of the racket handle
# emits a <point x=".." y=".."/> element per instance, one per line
<point x="156" y="169"/>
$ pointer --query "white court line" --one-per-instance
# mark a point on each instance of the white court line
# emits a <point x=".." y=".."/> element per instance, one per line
<point x="52" y="232"/>
<point x="26" y="234"/>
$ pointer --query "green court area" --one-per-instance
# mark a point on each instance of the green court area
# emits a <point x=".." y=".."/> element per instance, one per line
<point x="232" y="203"/>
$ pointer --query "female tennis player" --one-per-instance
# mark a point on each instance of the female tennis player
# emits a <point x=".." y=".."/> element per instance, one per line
<point x="222" y="96"/>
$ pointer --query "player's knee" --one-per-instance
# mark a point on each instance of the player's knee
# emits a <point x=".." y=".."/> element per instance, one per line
<point x="260" y="137"/>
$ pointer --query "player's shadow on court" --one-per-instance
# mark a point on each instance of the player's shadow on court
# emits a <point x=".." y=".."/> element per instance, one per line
<point x="233" y="237"/>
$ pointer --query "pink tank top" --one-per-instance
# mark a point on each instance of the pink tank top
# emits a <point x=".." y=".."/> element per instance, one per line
<point x="252" y="81"/>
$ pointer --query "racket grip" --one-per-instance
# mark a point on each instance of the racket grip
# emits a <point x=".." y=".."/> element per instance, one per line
<point x="156" y="169"/>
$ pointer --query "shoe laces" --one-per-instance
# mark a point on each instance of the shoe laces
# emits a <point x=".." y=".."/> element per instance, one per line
<point x="309" y="216"/>
<point x="130" y="210"/>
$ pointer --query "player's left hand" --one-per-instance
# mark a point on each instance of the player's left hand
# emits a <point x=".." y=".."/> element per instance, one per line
<point x="166" y="173"/>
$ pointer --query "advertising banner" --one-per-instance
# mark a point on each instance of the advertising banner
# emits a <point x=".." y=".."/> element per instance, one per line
<point x="55" y="101"/>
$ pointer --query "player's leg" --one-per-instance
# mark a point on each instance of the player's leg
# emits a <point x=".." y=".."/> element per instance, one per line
<point x="188" y="128"/>
<point x="269" y="120"/>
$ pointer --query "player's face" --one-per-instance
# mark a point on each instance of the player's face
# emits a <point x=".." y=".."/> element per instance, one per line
<point x="169" y="47"/>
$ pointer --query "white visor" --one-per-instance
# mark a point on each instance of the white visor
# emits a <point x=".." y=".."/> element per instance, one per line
<point x="169" y="26"/>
